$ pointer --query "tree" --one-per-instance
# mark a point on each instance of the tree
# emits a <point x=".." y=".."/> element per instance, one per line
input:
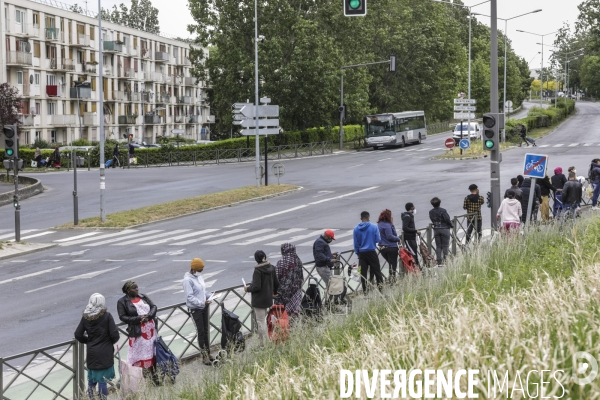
<point x="142" y="15"/>
<point x="10" y="104"/>
<point x="76" y="8"/>
<point x="590" y="79"/>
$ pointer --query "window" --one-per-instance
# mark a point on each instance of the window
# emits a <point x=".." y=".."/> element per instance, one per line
<point x="19" y="77"/>
<point x="50" y="79"/>
<point x="51" y="108"/>
<point x="92" y="33"/>
<point x="38" y="135"/>
<point x="36" y="19"/>
<point x="80" y="58"/>
<point x="135" y="43"/>
<point x="38" y="107"/>
<point x="94" y="84"/>
<point x="19" y="16"/>
<point x="143" y="66"/>
<point x="53" y="136"/>
<point x="94" y="107"/>
<point x="36" y="78"/>
<point x="36" y="49"/>
<point x="50" y="23"/>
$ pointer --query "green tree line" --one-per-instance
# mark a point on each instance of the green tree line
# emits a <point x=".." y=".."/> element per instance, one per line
<point x="306" y="43"/>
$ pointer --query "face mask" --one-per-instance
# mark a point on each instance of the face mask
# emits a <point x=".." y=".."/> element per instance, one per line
<point x="414" y="211"/>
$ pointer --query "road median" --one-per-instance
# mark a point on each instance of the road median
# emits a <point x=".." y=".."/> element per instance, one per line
<point x="183" y="207"/>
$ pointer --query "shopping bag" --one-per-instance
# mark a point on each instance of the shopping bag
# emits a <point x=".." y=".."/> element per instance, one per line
<point x="132" y="378"/>
<point x="34" y="164"/>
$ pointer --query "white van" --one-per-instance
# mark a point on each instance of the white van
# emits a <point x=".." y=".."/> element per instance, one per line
<point x="472" y="132"/>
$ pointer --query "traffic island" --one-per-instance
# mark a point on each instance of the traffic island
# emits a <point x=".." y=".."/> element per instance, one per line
<point x="28" y="187"/>
<point x="183" y="207"/>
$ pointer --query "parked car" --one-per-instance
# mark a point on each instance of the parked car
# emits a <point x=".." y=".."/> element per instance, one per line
<point x="78" y="148"/>
<point x="152" y="145"/>
<point x="472" y="132"/>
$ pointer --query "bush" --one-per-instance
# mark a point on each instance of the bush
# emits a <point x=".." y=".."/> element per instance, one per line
<point x="42" y="144"/>
<point x="81" y="142"/>
<point x="539" y="118"/>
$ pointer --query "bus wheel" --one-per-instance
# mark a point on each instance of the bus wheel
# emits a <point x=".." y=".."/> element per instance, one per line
<point x="420" y="140"/>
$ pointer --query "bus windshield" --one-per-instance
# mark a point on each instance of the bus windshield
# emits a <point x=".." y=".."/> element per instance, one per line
<point x="380" y="126"/>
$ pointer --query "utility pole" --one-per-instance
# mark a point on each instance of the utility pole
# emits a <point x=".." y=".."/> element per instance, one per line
<point x="495" y="156"/>
<point x="257" y="138"/>
<point x="101" y="86"/>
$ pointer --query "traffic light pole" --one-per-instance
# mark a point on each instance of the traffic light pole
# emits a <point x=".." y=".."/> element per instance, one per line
<point x="341" y="114"/>
<point x="16" y="199"/>
<point x="495" y="157"/>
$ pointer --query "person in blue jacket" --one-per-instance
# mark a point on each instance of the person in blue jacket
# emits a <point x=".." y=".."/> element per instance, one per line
<point x="366" y="237"/>
<point x="389" y="240"/>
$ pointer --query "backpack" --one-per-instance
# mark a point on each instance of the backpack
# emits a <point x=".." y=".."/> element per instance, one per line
<point x="167" y="365"/>
<point x="591" y="173"/>
<point x="278" y="324"/>
<point x="311" y="302"/>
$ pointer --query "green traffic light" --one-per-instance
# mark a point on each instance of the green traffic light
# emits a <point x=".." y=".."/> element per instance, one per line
<point x="354" y="4"/>
<point x="489" y="144"/>
<point x="9" y="152"/>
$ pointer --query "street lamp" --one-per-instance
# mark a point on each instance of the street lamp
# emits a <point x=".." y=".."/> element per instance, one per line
<point x="542" y="70"/>
<point x="469" y="79"/>
<point x="565" y="54"/>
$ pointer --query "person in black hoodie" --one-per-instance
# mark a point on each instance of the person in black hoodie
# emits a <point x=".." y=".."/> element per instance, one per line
<point x="410" y="231"/>
<point x="264" y="287"/>
<point x="546" y="187"/>
<point x="558" y="180"/>
<point x="97" y="329"/>
<point x="537" y="193"/>
<point x="441" y="230"/>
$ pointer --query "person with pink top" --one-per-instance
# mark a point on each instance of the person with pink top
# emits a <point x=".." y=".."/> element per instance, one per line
<point x="509" y="213"/>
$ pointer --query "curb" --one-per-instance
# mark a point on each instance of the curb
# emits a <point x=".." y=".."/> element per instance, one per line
<point x="35" y="187"/>
<point x="28" y="252"/>
<point x="192" y="213"/>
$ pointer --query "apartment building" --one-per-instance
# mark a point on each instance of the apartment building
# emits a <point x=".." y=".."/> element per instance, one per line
<point x="52" y="54"/>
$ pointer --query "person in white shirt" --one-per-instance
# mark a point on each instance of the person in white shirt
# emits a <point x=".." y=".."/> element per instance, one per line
<point x="197" y="302"/>
<point x="510" y="212"/>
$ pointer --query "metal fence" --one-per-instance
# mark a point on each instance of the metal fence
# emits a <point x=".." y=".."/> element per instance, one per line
<point x="58" y="371"/>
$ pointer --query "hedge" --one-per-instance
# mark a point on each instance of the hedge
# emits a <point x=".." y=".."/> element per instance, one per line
<point x="539" y="118"/>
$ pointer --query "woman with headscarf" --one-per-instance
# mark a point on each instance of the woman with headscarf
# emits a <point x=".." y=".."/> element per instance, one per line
<point x="264" y="287"/>
<point x="558" y="180"/>
<point x="55" y="159"/>
<point x="97" y="329"/>
<point x="38" y="157"/>
<point x="139" y="313"/>
<point x="290" y="276"/>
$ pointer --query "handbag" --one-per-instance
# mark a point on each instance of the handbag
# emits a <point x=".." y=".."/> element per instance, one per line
<point x="33" y="164"/>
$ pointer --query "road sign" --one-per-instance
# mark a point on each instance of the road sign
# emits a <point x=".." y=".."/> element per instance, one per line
<point x="263" y="111"/>
<point x="177" y="131"/>
<point x="262" y="131"/>
<point x="465" y="101"/>
<point x="535" y="165"/>
<point x="265" y="100"/>
<point x="508" y="104"/>
<point x="449" y="143"/>
<point x="237" y="122"/>
<point x="464" y="115"/>
<point x="238" y="117"/>
<point x="464" y="144"/>
<point x="278" y="169"/>
<point x="465" y="108"/>
<point x="241" y="105"/>
<point x="251" y="123"/>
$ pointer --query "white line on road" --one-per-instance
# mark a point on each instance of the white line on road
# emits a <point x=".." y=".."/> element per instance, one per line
<point x="187" y="235"/>
<point x="217" y="261"/>
<point x="36" y="235"/>
<point x="243" y="235"/>
<point x="337" y="236"/>
<point x="108" y="260"/>
<point x="574" y="144"/>
<point x="107" y="236"/>
<point x="76" y="237"/>
<point x="296" y="238"/>
<point x="18" y="278"/>
<point x="384" y="159"/>
<point x="50" y="260"/>
<point x="138" y="276"/>
<point x="74" y="278"/>
<point x="271" y="236"/>
<point x="587" y="144"/>
<point x="124" y="241"/>
<point x="82" y="260"/>
<point x="558" y="145"/>
<point x="342" y="196"/>
<point x="18" y="261"/>
<point x="186" y="242"/>
<point x="399" y="180"/>
<point x="146" y="260"/>
<point x="544" y="145"/>
<point x="12" y="234"/>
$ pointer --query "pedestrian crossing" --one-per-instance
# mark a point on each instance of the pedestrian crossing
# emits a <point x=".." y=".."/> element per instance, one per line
<point x="570" y="145"/>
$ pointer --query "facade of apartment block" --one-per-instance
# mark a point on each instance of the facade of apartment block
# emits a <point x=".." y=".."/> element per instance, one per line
<point x="51" y="56"/>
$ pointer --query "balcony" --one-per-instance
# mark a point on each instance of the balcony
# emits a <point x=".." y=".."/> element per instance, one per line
<point x="54" y="34"/>
<point x="179" y="119"/>
<point x="127" y="119"/>
<point x="190" y="81"/>
<point x="145" y="97"/>
<point x="62" y="120"/>
<point x="161" y="56"/>
<point x="210" y="119"/>
<point x="26" y="119"/>
<point x="80" y="92"/>
<point x="18" y="58"/>
<point x="63" y="64"/>
<point x="90" y="118"/>
<point x="163" y="98"/>
<point x="152" y="119"/>
<point x="118" y="95"/>
<point x="146" y="54"/>
<point x="131" y="73"/>
<point x="90" y="69"/>
<point x="82" y="41"/>
<point x="27" y="30"/>
<point x="113" y="46"/>
<point x="192" y="119"/>
<point x="107" y="71"/>
<point x="52" y="90"/>
<point x="153" y="76"/>
<point x="184" y="99"/>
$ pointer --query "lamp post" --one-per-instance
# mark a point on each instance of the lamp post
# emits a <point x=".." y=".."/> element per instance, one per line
<point x="567" y="54"/>
<point x="101" y="92"/>
<point x="542" y="69"/>
<point x="469" y="74"/>
<point x="505" y="57"/>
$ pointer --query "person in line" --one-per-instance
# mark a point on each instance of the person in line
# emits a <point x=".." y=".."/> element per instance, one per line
<point x="324" y="259"/>
<point x="116" y="156"/>
<point x="410" y="231"/>
<point x="389" y="241"/>
<point x="572" y="194"/>
<point x="520" y="180"/>
<point x="197" y="302"/>
<point x="98" y="331"/>
<point x="131" y="151"/>
<point x="139" y="313"/>
<point x="263" y="288"/>
<point x="366" y="236"/>
<point x="523" y="136"/>
<point x="37" y="157"/>
<point x="472" y="204"/>
<point x="546" y="188"/>
<point x="514" y="182"/>
<point x="509" y="213"/>
<point x="558" y="180"/>
<point x="55" y="158"/>
<point x="580" y="179"/>
<point x="537" y="197"/>
<point x="594" y="176"/>
<point x="290" y="275"/>
<point x="441" y="230"/>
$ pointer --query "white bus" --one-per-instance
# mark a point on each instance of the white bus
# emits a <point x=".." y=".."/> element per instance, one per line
<point x="395" y="129"/>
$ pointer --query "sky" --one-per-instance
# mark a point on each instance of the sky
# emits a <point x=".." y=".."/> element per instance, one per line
<point x="174" y="17"/>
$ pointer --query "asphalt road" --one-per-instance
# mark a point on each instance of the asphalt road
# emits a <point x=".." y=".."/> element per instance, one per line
<point x="43" y="294"/>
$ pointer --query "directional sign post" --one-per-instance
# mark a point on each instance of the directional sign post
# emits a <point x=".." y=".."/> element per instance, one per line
<point x="464" y="144"/>
<point x="464" y="109"/>
<point x="534" y="167"/>
<point x="278" y="170"/>
<point x="251" y="123"/>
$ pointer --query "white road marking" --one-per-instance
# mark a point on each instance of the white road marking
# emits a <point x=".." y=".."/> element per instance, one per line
<point x="342" y="196"/>
<point x="138" y="276"/>
<point x="354" y="166"/>
<point x="76" y="237"/>
<point x="108" y="260"/>
<point x="18" y="261"/>
<point x="293" y="239"/>
<point x="18" y="278"/>
<point x="187" y="235"/>
<point x="74" y="253"/>
<point x="13" y="235"/>
<point x="171" y="253"/>
<point x="139" y="237"/>
<point x="544" y="145"/>
<point x="74" y="278"/>
<point x="574" y="144"/>
<point x="50" y="260"/>
<point x="81" y="260"/>
<point x="424" y="149"/>
<point x="217" y="261"/>
<point x="337" y="236"/>
<point x="146" y="260"/>
<point x="271" y="236"/>
<point x="186" y="242"/>
<point x="107" y="236"/>
<point x="558" y="145"/>
<point x="243" y="235"/>
<point x="384" y="159"/>
<point x="587" y="144"/>
<point x="400" y="180"/>
<point x="36" y="235"/>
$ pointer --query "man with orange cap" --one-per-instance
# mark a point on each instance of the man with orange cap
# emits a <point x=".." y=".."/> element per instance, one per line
<point x="324" y="259"/>
<point x="196" y="300"/>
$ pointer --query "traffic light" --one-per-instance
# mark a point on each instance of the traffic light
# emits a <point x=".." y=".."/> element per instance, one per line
<point x="489" y="199"/>
<point x="11" y="141"/>
<point x="354" y="8"/>
<point x="342" y="110"/>
<point x="491" y="132"/>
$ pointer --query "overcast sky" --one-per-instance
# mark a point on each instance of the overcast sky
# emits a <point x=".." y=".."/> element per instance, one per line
<point x="174" y="17"/>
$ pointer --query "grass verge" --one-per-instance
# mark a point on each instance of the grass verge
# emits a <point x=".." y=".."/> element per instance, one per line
<point x="512" y="305"/>
<point x="181" y="207"/>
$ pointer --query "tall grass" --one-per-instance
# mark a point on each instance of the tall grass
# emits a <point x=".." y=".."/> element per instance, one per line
<point x="513" y="304"/>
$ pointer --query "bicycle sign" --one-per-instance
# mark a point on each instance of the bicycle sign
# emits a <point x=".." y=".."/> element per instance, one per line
<point x="535" y="166"/>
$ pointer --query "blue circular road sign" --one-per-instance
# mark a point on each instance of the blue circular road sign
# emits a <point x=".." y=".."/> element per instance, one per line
<point x="465" y="144"/>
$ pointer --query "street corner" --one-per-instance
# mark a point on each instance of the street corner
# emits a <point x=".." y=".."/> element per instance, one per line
<point x="9" y="249"/>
